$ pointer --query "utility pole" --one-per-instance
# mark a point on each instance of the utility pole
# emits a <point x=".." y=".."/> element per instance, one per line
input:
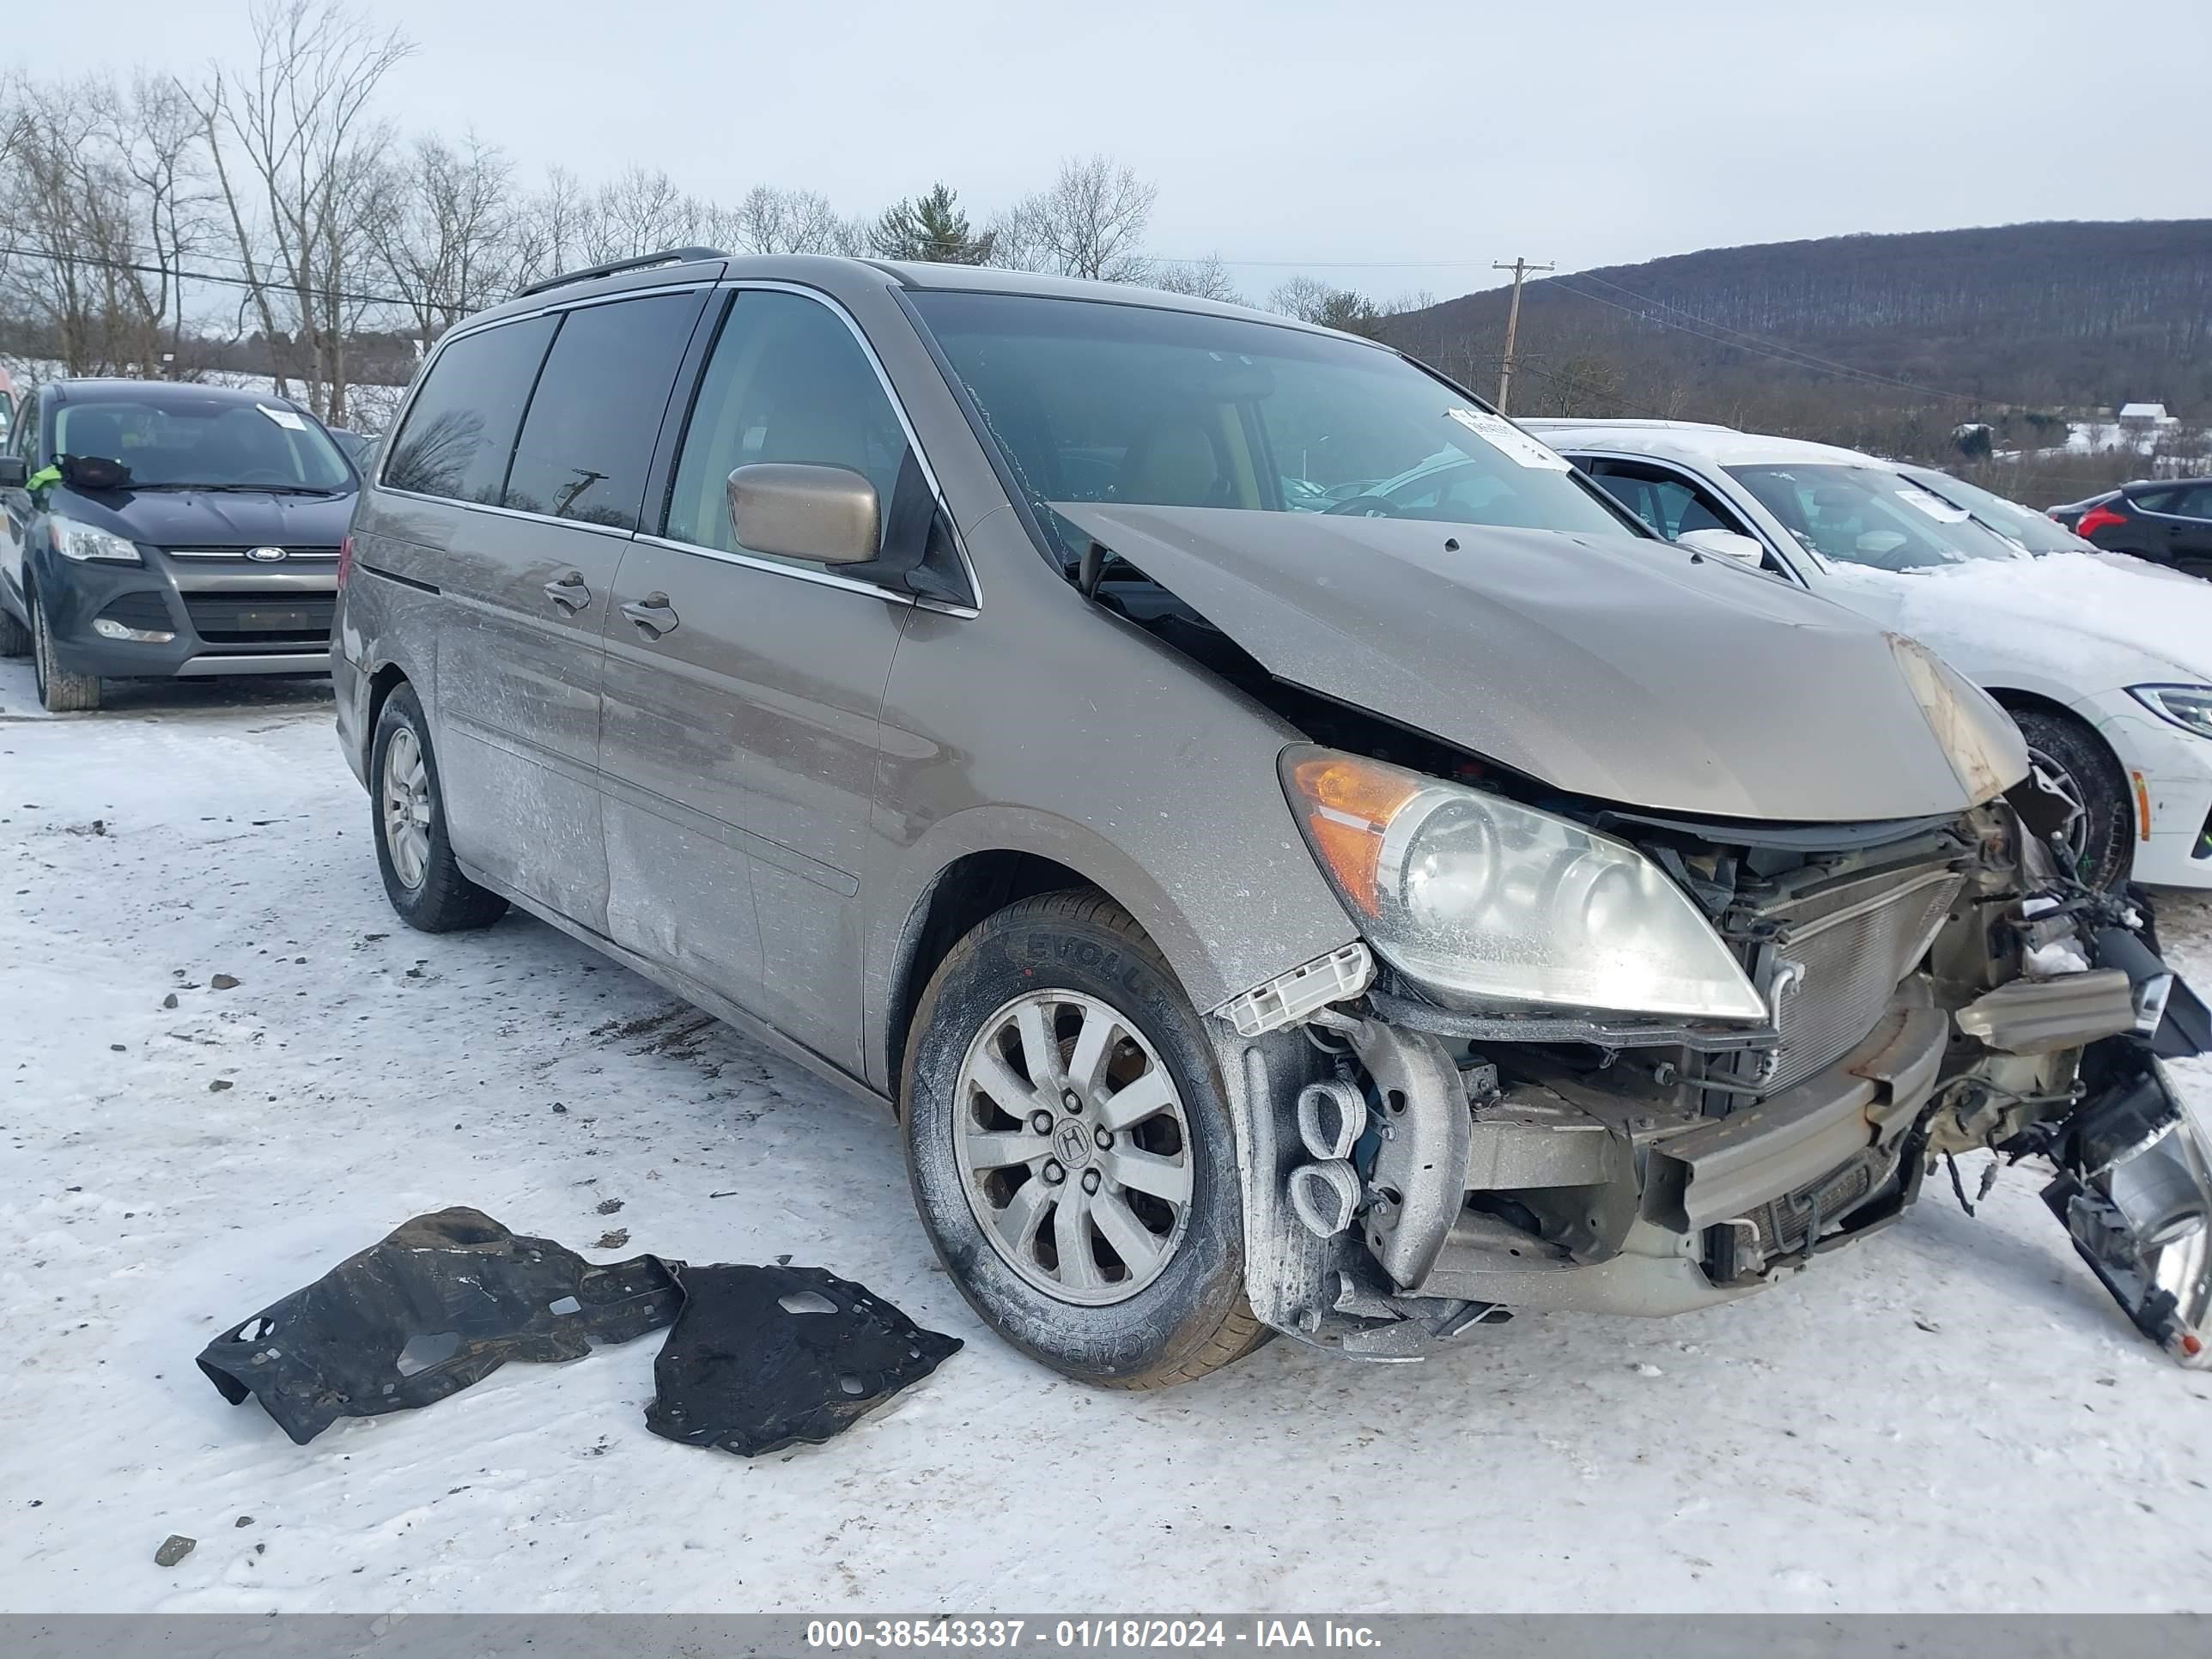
<point x="1520" y="268"/>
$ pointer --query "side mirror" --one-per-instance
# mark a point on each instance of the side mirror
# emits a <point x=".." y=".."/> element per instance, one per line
<point x="15" y="472"/>
<point x="1724" y="543"/>
<point x="828" y="515"/>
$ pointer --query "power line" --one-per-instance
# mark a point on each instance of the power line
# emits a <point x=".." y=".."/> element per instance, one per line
<point x="99" y="263"/>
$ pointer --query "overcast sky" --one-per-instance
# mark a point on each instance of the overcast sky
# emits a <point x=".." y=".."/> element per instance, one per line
<point x="1392" y="147"/>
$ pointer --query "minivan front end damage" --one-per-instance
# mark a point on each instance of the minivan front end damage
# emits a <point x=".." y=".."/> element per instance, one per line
<point x="1416" y="1169"/>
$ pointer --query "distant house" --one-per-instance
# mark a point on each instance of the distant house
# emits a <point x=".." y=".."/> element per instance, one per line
<point x="2144" y="417"/>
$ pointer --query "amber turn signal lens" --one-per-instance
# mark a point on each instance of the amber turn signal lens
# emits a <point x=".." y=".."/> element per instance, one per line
<point x="1347" y="804"/>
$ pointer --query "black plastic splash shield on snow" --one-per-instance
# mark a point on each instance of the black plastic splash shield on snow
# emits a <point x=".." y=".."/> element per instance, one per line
<point x="442" y="1303"/>
<point x="763" y="1356"/>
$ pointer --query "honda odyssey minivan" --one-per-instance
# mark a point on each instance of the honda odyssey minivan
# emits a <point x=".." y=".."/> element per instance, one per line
<point x="1264" y="910"/>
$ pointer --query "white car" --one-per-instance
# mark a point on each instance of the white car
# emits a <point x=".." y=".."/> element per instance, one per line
<point x="2105" y="661"/>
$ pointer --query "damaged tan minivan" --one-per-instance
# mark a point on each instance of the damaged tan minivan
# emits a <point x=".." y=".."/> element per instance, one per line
<point x="1293" y="854"/>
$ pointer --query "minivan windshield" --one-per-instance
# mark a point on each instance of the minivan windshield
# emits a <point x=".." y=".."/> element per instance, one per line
<point x="2036" y="531"/>
<point x="183" y="442"/>
<point x="1870" y="515"/>
<point x="1095" y="401"/>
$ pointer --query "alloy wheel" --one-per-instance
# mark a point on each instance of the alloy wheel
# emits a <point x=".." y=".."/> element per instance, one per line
<point x="406" y="796"/>
<point x="1073" y="1147"/>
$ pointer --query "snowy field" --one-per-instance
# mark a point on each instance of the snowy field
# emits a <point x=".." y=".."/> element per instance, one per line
<point x="1954" y="1416"/>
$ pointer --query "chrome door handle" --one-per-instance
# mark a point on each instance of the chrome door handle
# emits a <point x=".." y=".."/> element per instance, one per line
<point x="653" y="615"/>
<point x="570" y="592"/>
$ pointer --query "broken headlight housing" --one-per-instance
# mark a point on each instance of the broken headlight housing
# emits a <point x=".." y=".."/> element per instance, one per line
<point x="2188" y="707"/>
<point x="1483" y="902"/>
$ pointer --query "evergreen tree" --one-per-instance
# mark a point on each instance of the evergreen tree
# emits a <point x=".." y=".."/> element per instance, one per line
<point x="930" y="227"/>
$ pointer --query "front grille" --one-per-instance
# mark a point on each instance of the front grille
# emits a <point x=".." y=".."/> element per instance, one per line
<point x="1853" y="942"/>
<point x="305" y="555"/>
<point x="147" y="612"/>
<point x="261" y="617"/>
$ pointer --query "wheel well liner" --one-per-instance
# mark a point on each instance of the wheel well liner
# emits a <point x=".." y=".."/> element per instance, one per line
<point x="966" y="891"/>
<point x="381" y="684"/>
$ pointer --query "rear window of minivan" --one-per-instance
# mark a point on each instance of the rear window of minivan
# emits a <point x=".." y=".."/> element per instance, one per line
<point x="460" y="432"/>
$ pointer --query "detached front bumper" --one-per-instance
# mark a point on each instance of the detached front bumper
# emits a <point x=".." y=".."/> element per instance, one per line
<point x="1571" y="1193"/>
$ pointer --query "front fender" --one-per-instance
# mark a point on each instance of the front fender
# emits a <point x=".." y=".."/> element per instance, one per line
<point x="1218" y="938"/>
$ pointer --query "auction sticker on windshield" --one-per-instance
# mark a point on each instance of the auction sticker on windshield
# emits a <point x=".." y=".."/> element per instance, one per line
<point x="1510" y="439"/>
<point x="1940" y="510"/>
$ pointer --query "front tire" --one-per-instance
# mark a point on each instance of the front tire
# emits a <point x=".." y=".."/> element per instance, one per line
<point x="61" y="691"/>
<point x="407" y="815"/>
<point x="1071" y="1148"/>
<point x="2069" y="759"/>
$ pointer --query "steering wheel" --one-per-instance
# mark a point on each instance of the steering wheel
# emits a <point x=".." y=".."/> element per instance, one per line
<point x="1361" y="506"/>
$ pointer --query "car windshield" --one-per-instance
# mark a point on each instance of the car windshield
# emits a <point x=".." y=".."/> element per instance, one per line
<point x="2033" y="530"/>
<point x="182" y="443"/>
<point x="1093" y="401"/>
<point x="1870" y="515"/>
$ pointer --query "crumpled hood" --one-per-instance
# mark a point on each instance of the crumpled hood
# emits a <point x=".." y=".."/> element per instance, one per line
<point x="1628" y="670"/>
<point x="190" y="517"/>
<point x="2101" y="619"/>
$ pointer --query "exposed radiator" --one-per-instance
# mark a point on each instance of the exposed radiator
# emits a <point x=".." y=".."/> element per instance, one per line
<point x="1851" y="943"/>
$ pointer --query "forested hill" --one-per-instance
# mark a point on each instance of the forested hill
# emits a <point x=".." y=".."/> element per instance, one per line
<point x="2044" y="316"/>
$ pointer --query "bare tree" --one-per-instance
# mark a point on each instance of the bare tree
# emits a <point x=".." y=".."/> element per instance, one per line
<point x="772" y="220"/>
<point x="548" y="227"/>
<point x="641" y="212"/>
<point x="101" y="194"/>
<point x="295" y="151"/>
<point x="1089" y="222"/>
<point x="1203" y="279"/>
<point x="448" y="244"/>
<point x="55" y="280"/>
<point x="152" y="134"/>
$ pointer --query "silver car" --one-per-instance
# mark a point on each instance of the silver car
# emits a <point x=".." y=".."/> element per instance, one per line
<point x="1265" y="909"/>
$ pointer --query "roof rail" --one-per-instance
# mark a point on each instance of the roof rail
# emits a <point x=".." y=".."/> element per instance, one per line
<point x="670" y="255"/>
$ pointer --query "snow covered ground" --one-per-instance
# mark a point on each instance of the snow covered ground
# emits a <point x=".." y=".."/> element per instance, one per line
<point x="1954" y="1416"/>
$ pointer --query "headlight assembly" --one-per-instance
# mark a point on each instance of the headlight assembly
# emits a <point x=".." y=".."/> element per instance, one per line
<point x="1482" y="900"/>
<point x="2188" y="707"/>
<point x="86" y="545"/>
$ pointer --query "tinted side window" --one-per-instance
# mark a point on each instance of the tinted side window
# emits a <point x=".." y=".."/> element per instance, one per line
<point x="2195" y="503"/>
<point x="460" y="430"/>
<point x="787" y="382"/>
<point x="1670" y="503"/>
<point x="589" y="435"/>
<point x="2155" y="500"/>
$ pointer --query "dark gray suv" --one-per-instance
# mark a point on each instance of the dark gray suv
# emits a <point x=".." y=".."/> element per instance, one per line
<point x="1270" y="901"/>
<point x="151" y="530"/>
